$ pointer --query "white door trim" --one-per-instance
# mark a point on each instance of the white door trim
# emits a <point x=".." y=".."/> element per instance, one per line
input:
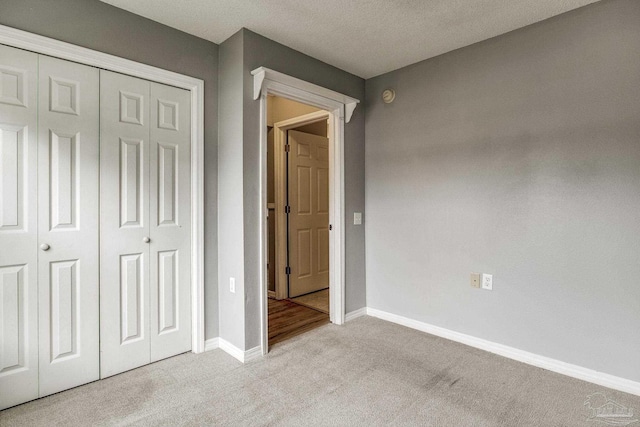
<point x="268" y="82"/>
<point x="47" y="46"/>
<point x="279" y="140"/>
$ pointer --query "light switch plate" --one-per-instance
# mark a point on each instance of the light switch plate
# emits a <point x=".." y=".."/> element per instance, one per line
<point x="232" y="285"/>
<point x="487" y="281"/>
<point x="475" y="280"/>
<point x="357" y="218"/>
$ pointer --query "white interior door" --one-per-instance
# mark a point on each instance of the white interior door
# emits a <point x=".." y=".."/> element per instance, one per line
<point x="170" y="221"/>
<point x="68" y="212"/>
<point x="309" y="217"/>
<point x="18" y="227"/>
<point x="124" y="223"/>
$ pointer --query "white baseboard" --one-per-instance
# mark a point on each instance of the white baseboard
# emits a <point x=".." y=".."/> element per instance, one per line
<point x="355" y="314"/>
<point x="241" y="355"/>
<point x="231" y="349"/>
<point x="212" y="344"/>
<point x="585" y="374"/>
<point x="252" y="353"/>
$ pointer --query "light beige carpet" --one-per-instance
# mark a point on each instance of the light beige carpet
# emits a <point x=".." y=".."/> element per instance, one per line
<point x="368" y="372"/>
<point x="316" y="300"/>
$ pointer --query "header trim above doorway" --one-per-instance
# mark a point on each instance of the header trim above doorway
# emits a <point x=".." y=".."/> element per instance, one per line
<point x="262" y="73"/>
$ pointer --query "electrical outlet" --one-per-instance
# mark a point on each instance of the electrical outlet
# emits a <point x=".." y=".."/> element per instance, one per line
<point x="232" y="285"/>
<point x="357" y="218"/>
<point x="475" y="280"/>
<point x="487" y="281"/>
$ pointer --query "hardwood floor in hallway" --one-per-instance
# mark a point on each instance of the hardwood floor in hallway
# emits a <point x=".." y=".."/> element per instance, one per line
<point x="288" y="319"/>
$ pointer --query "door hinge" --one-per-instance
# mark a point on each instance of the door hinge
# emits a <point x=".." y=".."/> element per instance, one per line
<point x="287" y="148"/>
<point x="287" y="270"/>
<point x="330" y="227"/>
<point x="287" y="209"/>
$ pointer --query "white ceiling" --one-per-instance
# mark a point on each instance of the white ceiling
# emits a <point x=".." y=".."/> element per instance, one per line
<point x="364" y="37"/>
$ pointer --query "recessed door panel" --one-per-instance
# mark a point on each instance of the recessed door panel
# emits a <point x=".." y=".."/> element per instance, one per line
<point x="63" y="180"/>
<point x="167" y="183"/>
<point x="124" y="223"/>
<point x="303" y="255"/>
<point x="309" y="218"/>
<point x="131" y="182"/>
<point x="131" y="297"/>
<point x="168" y="285"/>
<point x="18" y="227"/>
<point x="64" y="96"/>
<point x="13" y="324"/>
<point x="64" y="309"/>
<point x="303" y="190"/>
<point x="322" y="190"/>
<point x="13" y="80"/>
<point x="68" y="149"/>
<point x="132" y="107"/>
<point x="13" y="171"/>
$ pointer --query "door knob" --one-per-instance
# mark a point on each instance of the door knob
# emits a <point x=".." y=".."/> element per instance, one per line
<point x="44" y="247"/>
<point x="146" y="240"/>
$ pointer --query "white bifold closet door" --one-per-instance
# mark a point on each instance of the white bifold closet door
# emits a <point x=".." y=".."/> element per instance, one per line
<point x="145" y="304"/>
<point x="49" y="330"/>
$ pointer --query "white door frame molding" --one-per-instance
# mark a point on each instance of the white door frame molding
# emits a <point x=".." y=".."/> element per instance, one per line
<point x="339" y="108"/>
<point x="280" y="191"/>
<point x="47" y="46"/>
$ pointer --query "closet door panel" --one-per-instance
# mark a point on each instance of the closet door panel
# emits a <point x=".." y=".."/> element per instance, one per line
<point x="18" y="227"/>
<point x="124" y="223"/>
<point x="170" y="221"/>
<point x="68" y="280"/>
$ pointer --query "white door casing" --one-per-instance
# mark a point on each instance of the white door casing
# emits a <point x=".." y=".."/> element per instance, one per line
<point x="68" y="224"/>
<point x="124" y="223"/>
<point x="340" y="108"/>
<point x="18" y="227"/>
<point x="170" y="221"/>
<point x="309" y="217"/>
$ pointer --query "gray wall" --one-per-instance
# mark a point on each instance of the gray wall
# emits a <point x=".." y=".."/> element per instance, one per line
<point x="230" y="201"/>
<point x="260" y="51"/>
<point x="98" y="26"/>
<point x="518" y="156"/>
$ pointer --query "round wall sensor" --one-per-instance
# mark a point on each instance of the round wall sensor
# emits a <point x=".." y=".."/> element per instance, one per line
<point x="388" y="96"/>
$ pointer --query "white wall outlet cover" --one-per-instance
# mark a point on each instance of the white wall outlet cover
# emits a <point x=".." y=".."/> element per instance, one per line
<point x="232" y="285"/>
<point x="487" y="281"/>
<point x="357" y="218"/>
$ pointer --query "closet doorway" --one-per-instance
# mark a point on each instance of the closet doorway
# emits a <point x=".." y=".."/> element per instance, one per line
<point x="298" y="218"/>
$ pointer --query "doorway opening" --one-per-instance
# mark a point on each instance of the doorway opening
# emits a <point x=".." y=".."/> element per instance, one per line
<point x="339" y="108"/>
<point x="298" y="267"/>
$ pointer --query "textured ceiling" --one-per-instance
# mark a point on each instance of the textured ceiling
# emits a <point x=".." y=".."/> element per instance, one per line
<point x="364" y="37"/>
